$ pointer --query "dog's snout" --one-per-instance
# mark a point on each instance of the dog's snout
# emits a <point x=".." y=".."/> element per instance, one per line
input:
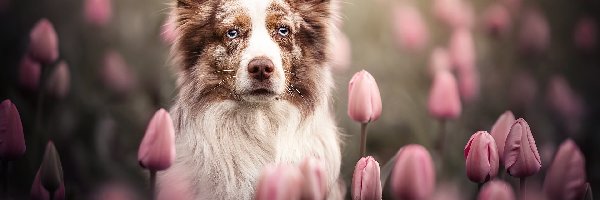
<point x="261" y="68"/>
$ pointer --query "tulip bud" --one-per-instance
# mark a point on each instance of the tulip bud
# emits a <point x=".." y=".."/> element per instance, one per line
<point x="500" y="131"/>
<point x="364" y="100"/>
<point x="444" y="100"/>
<point x="279" y="183"/>
<point x="29" y="73"/>
<point x="115" y="191"/>
<point x="157" y="150"/>
<point x="366" y="182"/>
<point x="453" y="13"/>
<point x="497" y="20"/>
<point x="521" y="157"/>
<point x="43" y="42"/>
<point x="116" y="75"/>
<point x="481" y="156"/>
<point x="409" y="28"/>
<point x="51" y="174"/>
<point x="496" y="190"/>
<point x="468" y="84"/>
<point x="315" y="182"/>
<point x="439" y="61"/>
<point x="462" y="50"/>
<point x="535" y="33"/>
<point x="585" y="34"/>
<point x="60" y="80"/>
<point x="38" y="192"/>
<point x="12" y="141"/>
<point x="98" y="12"/>
<point x="413" y="176"/>
<point x="563" y="100"/>
<point x="565" y="179"/>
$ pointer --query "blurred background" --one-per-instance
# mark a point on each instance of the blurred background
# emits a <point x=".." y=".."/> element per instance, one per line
<point x="539" y="59"/>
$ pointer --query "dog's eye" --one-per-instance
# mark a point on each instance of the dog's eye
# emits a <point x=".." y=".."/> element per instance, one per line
<point x="283" y="31"/>
<point x="232" y="33"/>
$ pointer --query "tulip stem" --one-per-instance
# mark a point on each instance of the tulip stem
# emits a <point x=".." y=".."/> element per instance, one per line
<point x="522" y="187"/>
<point x="441" y="137"/>
<point x="152" y="183"/>
<point x="363" y="139"/>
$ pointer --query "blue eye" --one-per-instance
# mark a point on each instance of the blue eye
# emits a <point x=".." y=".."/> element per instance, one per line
<point x="283" y="31"/>
<point x="232" y="33"/>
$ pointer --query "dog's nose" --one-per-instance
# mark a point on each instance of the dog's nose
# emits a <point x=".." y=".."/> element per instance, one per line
<point x="260" y="68"/>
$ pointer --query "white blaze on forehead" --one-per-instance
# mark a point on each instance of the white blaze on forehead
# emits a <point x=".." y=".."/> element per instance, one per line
<point x="260" y="44"/>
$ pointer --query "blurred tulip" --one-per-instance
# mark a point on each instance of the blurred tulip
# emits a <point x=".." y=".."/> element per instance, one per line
<point x="410" y="30"/>
<point x="468" y="84"/>
<point x="439" y="61"/>
<point x="413" y="176"/>
<point x="51" y="173"/>
<point x="279" y="183"/>
<point x="116" y="74"/>
<point x="496" y="190"/>
<point x="444" y="101"/>
<point x="115" y="191"/>
<point x="521" y="157"/>
<point x="566" y="179"/>
<point x="481" y="156"/>
<point x="315" y="182"/>
<point x="157" y="150"/>
<point x="366" y="183"/>
<point x="341" y="51"/>
<point x="448" y="191"/>
<point x="585" y="34"/>
<point x="462" y="50"/>
<point x="43" y="42"/>
<point x="497" y="20"/>
<point x="12" y="141"/>
<point x="534" y="36"/>
<point x="565" y="102"/>
<point x="30" y="72"/>
<point x="500" y="131"/>
<point x="59" y="81"/>
<point x="169" y="29"/>
<point x="523" y="90"/>
<point x="38" y="192"/>
<point x="98" y="12"/>
<point x="588" y="192"/>
<point x="364" y="100"/>
<point x="514" y="6"/>
<point x="454" y="13"/>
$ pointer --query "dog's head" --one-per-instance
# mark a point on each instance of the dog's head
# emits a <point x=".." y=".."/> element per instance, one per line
<point x="256" y="51"/>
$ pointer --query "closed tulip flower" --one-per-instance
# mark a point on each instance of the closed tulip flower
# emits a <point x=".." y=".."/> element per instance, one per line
<point x="12" y="141"/>
<point x="366" y="183"/>
<point x="59" y="81"/>
<point x="157" y="150"/>
<point x="364" y="100"/>
<point x="497" y="20"/>
<point x="38" y="192"/>
<point x="116" y="74"/>
<point x="585" y="34"/>
<point x="439" y="61"/>
<point x="43" y="42"/>
<point x="413" y="176"/>
<point x="409" y="28"/>
<point x="462" y="50"/>
<point x="521" y="157"/>
<point x="500" y="131"/>
<point x="481" y="156"/>
<point x="98" y="12"/>
<point x="279" y="183"/>
<point x="315" y="182"/>
<point x="444" y="99"/>
<point x="30" y="72"/>
<point x="534" y="36"/>
<point x="566" y="179"/>
<point x="51" y="173"/>
<point x="496" y="190"/>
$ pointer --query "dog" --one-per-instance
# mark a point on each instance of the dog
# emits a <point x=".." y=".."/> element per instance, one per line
<point x="254" y="88"/>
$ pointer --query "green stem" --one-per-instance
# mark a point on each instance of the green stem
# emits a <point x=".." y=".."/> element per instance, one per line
<point x="152" y="184"/>
<point x="363" y="139"/>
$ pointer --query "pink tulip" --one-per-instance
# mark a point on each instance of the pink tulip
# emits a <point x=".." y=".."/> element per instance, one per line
<point x="279" y="183"/>
<point x="566" y="179"/>
<point x="521" y="157"/>
<point x="115" y="191"/>
<point x="444" y="101"/>
<point x="514" y="6"/>
<point x="453" y="13"/>
<point x="413" y="176"/>
<point x="468" y="84"/>
<point x="448" y="191"/>
<point x="497" y="20"/>
<point x="500" y="131"/>
<point x="43" y="42"/>
<point x="535" y="33"/>
<point x="462" y="50"/>
<point x="364" y="100"/>
<point x="315" y="180"/>
<point x="341" y="51"/>
<point x="38" y="192"/>
<point x="157" y="150"/>
<point x="116" y="75"/>
<point x="12" y="141"/>
<point x="366" y="183"/>
<point x="410" y="30"/>
<point x="481" y="156"/>
<point x="565" y="102"/>
<point x="496" y="190"/>
<point x="585" y="34"/>
<point x="60" y="81"/>
<point x="98" y="12"/>
<point x="439" y="61"/>
<point x="29" y="73"/>
<point x="523" y="90"/>
<point x="169" y="29"/>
